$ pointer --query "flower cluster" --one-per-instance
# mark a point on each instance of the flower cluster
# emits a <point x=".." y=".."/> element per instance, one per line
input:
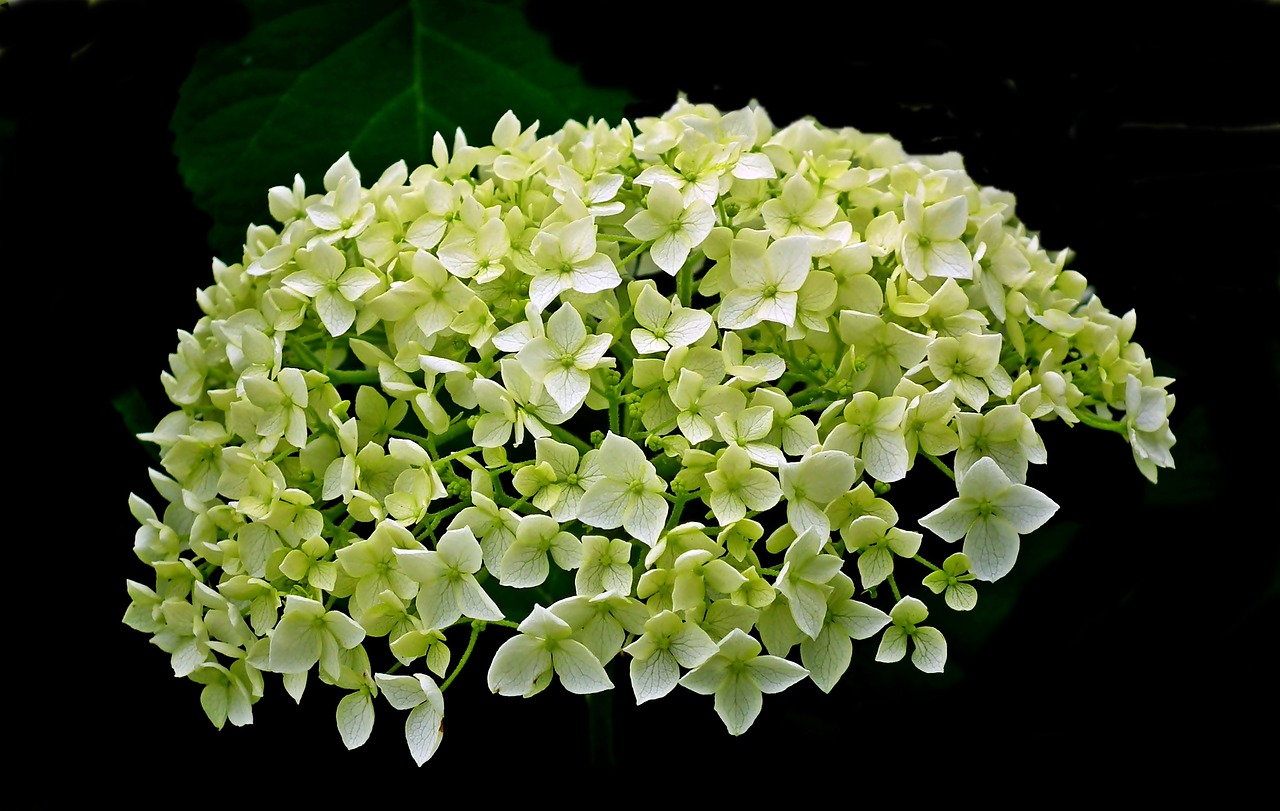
<point x="665" y="371"/>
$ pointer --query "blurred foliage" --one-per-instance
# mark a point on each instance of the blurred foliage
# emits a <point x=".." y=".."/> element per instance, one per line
<point x="312" y="79"/>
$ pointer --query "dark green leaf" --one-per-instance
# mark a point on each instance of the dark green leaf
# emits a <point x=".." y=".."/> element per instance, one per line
<point x="313" y="79"/>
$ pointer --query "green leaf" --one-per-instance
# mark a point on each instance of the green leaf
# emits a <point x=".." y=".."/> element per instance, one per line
<point x="314" y="79"/>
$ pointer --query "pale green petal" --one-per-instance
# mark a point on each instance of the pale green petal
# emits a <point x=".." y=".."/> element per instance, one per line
<point x="691" y="646"/>
<point x="566" y="551"/>
<point x="458" y="549"/>
<point x="670" y="251"/>
<point x="438" y="604"/>
<point x="524" y="566"/>
<point x="859" y="620"/>
<point x="759" y="489"/>
<point x="423" y="730"/>
<point x="739" y="310"/>
<point x="983" y="480"/>
<point x="952" y="520"/>
<point x="646" y="224"/>
<point x="992" y="547"/>
<point x="539" y="357"/>
<point x="652" y="309"/>
<point x="647" y="517"/>
<point x="790" y="260"/>
<point x="884" y="455"/>
<point x="355" y="718"/>
<point x="562" y="458"/>
<point x="402" y="692"/>
<point x="295" y="646"/>
<point x="808" y="603"/>
<point x="1025" y="508"/>
<point x="621" y="459"/>
<point x="687" y="325"/>
<point x="827" y="657"/>
<point x="779" y="308"/>
<point x="491" y="431"/>
<point x="946" y="220"/>
<point x="961" y="597"/>
<point x="517" y="664"/>
<point x="345" y="631"/>
<point x="605" y="504"/>
<point x="596" y="274"/>
<point x="874" y="565"/>
<point x="646" y="344"/>
<point x="827" y="475"/>
<point x="707" y="677"/>
<point x="727" y="505"/>
<point x="655" y="676"/>
<point x="909" y="611"/>
<point x="805" y="516"/>
<point x="930" y="653"/>
<point x="565" y="328"/>
<point x="579" y="670"/>
<point x="474" y="601"/>
<point x="336" y="313"/>
<point x="567" y="386"/>
<point x="738" y="704"/>
<point x="893" y="646"/>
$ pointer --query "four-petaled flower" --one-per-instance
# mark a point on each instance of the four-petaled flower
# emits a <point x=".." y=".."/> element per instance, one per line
<point x="738" y="676"/>
<point x="990" y="513"/>
<point x="628" y="495"/>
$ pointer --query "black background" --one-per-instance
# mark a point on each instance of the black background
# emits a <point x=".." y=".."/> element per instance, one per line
<point x="1137" y="636"/>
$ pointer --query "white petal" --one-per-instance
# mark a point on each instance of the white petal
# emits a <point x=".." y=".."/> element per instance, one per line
<point x="565" y="328"/>
<point x="992" y="547"/>
<point x="952" y="520"/>
<point x="579" y="670"/>
<point x="827" y="657"/>
<point x="1025" y="508"/>
<point x="654" y="677"/>
<point x="738" y="704"/>
<point x="604" y="504"/>
<point x="930" y="654"/>
<point x="647" y="518"/>
<point x="893" y="646"/>
<point x="355" y="719"/>
<point x="423" y="731"/>
<point x="946" y="220"/>
<point x="517" y="664"/>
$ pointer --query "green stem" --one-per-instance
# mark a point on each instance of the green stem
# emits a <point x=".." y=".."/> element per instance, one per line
<point x="684" y="284"/>
<point x="1094" y="421"/>
<point x="807" y="396"/>
<point x="476" y="627"/>
<point x="441" y="462"/>
<point x="624" y="260"/>
<point x="919" y="559"/>
<point x="618" y="238"/>
<point x="520" y="505"/>
<point x="623" y="352"/>
<point x="897" y="595"/>
<point x="676" y="510"/>
<point x="816" y="404"/>
<point x="940" y="465"/>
